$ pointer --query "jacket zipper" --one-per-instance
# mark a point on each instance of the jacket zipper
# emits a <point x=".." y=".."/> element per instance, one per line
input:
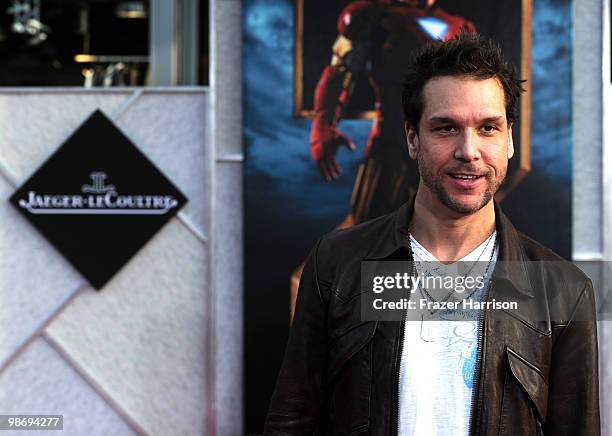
<point x="474" y="402"/>
<point x="479" y="347"/>
<point x="398" y="361"/>
<point x="398" y="358"/>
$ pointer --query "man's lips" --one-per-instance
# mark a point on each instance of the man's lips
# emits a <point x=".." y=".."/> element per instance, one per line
<point x="465" y="180"/>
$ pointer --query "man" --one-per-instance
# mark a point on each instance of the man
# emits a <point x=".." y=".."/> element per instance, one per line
<point x="525" y="373"/>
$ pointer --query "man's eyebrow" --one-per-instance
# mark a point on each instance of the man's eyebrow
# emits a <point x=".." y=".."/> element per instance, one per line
<point x="493" y="119"/>
<point x="449" y="120"/>
<point x="441" y="120"/>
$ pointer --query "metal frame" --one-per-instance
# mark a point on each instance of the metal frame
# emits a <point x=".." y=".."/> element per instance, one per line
<point x="189" y="40"/>
<point x="605" y="327"/>
<point x="163" y="47"/>
<point x="225" y="411"/>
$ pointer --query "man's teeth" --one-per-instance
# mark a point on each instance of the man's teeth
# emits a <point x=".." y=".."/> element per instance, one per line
<point x="465" y="177"/>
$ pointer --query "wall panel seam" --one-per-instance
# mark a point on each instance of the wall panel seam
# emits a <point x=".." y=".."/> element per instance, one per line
<point x="41" y="329"/>
<point x="97" y="388"/>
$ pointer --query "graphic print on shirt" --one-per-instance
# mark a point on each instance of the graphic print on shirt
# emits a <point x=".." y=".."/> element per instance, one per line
<point x="461" y="343"/>
<point x="469" y="367"/>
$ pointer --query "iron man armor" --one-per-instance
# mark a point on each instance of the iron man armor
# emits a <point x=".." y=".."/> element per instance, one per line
<point x="375" y="38"/>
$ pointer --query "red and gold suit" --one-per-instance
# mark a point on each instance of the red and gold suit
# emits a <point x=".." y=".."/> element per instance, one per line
<point x="375" y="40"/>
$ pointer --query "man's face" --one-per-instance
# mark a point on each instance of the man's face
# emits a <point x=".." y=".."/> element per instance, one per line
<point x="463" y="141"/>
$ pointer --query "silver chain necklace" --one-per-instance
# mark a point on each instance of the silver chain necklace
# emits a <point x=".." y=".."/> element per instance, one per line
<point x="424" y="291"/>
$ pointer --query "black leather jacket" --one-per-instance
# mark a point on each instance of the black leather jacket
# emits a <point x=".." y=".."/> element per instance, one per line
<point x="340" y="375"/>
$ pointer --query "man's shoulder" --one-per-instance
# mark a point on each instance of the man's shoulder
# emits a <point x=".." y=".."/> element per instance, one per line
<point x="536" y="251"/>
<point x="565" y="275"/>
<point x="339" y="253"/>
<point x="356" y="242"/>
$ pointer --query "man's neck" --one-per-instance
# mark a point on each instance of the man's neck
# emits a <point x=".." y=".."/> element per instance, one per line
<point x="446" y="234"/>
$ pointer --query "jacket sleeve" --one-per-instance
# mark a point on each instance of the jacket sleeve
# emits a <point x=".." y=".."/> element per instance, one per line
<point x="573" y="399"/>
<point x="296" y="404"/>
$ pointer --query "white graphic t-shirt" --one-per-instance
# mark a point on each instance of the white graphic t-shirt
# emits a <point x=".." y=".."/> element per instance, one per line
<point x="438" y="360"/>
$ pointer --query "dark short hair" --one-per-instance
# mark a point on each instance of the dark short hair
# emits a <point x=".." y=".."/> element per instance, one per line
<point x="469" y="55"/>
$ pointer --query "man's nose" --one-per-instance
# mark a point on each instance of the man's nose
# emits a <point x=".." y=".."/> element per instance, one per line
<point x="467" y="146"/>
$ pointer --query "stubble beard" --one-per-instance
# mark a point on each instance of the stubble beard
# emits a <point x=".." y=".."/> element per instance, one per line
<point x="434" y="183"/>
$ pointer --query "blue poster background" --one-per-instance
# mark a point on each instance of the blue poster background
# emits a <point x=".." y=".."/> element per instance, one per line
<point x="288" y="205"/>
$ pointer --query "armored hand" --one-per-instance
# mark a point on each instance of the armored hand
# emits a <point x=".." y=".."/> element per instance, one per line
<point x="325" y="140"/>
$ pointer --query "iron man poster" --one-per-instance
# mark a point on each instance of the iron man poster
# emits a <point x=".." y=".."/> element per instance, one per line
<point x="290" y="50"/>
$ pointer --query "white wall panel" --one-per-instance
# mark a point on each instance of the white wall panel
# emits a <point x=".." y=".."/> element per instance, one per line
<point x="227" y="308"/>
<point x="141" y="345"/>
<point x="605" y="327"/>
<point x="35" y="280"/>
<point x="41" y="382"/>
<point x="170" y="129"/>
<point x="34" y="125"/>
<point x="226" y="410"/>
<point x="142" y="338"/>
<point x="591" y="166"/>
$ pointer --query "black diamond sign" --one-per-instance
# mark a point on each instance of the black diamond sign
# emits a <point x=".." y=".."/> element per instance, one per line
<point x="98" y="199"/>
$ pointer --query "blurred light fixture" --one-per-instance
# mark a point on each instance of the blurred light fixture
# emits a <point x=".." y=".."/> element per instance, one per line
<point x="131" y="9"/>
<point x="26" y="20"/>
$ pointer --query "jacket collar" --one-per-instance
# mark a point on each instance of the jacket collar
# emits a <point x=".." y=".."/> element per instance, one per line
<point x="511" y="252"/>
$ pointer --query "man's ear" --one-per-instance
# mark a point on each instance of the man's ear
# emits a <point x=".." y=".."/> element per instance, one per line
<point x="412" y="139"/>
<point x="510" y="142"/>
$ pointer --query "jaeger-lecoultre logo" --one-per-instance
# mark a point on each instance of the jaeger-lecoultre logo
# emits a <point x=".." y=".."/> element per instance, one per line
<point x="97" y="199"/>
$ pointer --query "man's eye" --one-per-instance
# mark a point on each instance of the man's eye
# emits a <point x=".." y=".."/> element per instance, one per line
<point x="446" y="129"/>
<point x="488" y="129"/>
